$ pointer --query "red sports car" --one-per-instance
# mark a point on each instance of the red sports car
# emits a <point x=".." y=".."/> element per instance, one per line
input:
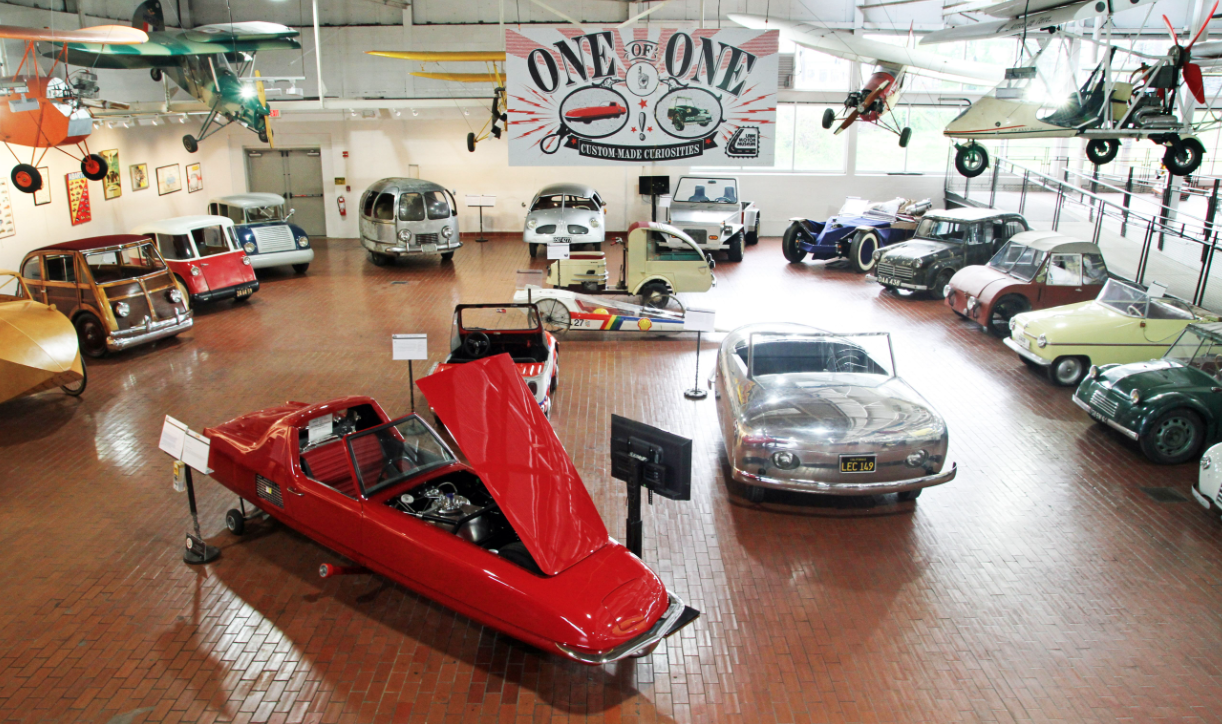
<point x="595" y="113"/>
<point x="511" y="539"/>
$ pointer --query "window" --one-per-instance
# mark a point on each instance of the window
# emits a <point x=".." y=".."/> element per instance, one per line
<point x="274" y="212"/>
<point x="60" y="269"/>
<point x="707" y="190"/>
<point x="1093" y="269"/>
<point x="411" y="207"/>
<point x="942" y="230"/>
<point x="174" y="246"/>
<point x="31" y="269"/>
<point x="395" y="451"/>
<point x="819" y="71"/>
<point x="815" y="148"/>
<point x="128" y="262"/>
<point x="981" y="233"/>
<point x="384" y="207"/>
<point x="878" y="150"/>
<point x="438" y="207"/>
<point x="210" y="240"/>
<point x="1014" y="227"/>
<point x="1065" y="270"/>
<point x="367" y="205"/>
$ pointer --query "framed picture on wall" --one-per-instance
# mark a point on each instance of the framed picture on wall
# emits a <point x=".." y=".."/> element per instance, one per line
<point x="42" y="196"/>
<point x="169" y="179"/>
<point x="112" y="182"/>
<point x="195" y="178"/>
<point x="78" y="198"/>
<point x="140" y="176"/>
<point x="8" y="227"/>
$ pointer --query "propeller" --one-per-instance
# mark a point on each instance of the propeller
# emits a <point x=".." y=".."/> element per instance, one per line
<point x="869" y="101"/>
<point x="1182" y="56"/>
<point x="267" y="120"/>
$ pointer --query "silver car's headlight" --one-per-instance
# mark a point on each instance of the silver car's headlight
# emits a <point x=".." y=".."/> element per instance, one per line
<point x="122" y="310"/>
<point x="593" y="222"/>
<point x="1135" y="397"/>
<point x="249" y="247"/>
<point x="916" y="459"/>
<point x="1206" y="462"/>
<point x="1042" y="340"/>
<point x="405" y="236"/>
<point x="303" y="241"/>
<point x="532" y="223"/>
<point x="447" y="232"/>
<point x="785" y="460"/>
<point x="971" y="301"/>
<point x="947" y="291"/>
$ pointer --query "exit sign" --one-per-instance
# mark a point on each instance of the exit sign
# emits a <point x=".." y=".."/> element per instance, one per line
<point x="275" y="113"/>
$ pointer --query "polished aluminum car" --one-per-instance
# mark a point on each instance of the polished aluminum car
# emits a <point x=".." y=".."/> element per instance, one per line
<point x="407" y="217"/>
<point x="565" y="214"/>
<point x="808" y="411"/>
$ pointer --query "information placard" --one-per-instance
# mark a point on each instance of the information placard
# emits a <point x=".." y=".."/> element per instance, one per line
<point x="474" y="200"/>
<point x="699" y="320"/>
<point x="409" y="346"/>
<point x="195" y="451"/>
<point x="173" y="436"/>
<point x="318" y="429"/>
<point x="558" y="251"/>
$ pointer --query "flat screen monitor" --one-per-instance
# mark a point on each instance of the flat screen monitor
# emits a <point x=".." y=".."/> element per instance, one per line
<point x="658" y="460"/>
<point x="655" y="185"/>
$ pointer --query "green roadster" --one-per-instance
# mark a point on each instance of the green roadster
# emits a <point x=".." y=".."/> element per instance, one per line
<point x="1171" y="406"/>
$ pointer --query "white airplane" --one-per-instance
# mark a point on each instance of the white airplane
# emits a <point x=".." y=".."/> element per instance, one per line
<point x="1019" y="15"/>
<point x="874" y="101"/>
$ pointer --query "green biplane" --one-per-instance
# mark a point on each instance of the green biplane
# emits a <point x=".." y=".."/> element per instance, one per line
<point x="213" y="63"/>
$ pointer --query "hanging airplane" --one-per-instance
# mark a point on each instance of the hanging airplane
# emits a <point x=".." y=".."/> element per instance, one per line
<point x="1032" y="103"/>
<point x="873" y="103"/>
<point x="494" y="75"/>
<point x="44" y="111"/>
<point x="1017" y="16"/>
<point x="214" y="63"/>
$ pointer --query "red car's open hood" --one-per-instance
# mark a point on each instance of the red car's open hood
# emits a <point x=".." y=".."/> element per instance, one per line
<point x="497" y="423"/>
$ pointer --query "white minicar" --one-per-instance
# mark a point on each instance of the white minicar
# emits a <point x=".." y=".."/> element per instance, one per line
<point x="1208" y="488"/>
<point x="565" y="213"/>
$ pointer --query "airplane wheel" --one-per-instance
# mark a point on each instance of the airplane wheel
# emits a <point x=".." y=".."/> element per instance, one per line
<point x="829" y="117"/>
<point x="972" y="160"/>
<point x="905" y="137"/>
<point x="189" y="143"/>
<point x="1184" y="156"/>
<point x="26" y="178"/>
<point x="1102" y="150"/>
<point x="94" y="167"/>
<point x="263" y="136"/>
<point x="77" y="388"/>
<point x="471" y="142"/>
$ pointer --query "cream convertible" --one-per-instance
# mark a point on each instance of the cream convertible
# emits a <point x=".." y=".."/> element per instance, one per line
<point x="812" y="412"/>
<point x="1123" y="324"/>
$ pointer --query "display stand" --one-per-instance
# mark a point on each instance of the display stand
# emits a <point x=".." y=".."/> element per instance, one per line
<point x="480" y="202"/>
<point x="189" y="450"/>
<point x="696" y="393"/>
<point x="647" y="457"/>
<point x="698" y="321"/>
<point x="197" y="550"/>
<point x="410" y="347"/>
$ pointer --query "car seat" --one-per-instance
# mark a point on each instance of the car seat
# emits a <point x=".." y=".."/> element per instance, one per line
<point x="699" y="195"/>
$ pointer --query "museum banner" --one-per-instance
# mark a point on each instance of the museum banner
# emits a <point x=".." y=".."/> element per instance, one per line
<point x="641" y="95"/>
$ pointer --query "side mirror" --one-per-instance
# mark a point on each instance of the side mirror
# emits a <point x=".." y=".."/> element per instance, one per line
<point x="291" y="212"/>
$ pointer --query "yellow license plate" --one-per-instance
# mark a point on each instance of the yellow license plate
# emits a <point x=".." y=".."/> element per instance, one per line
<point x="857" y="463"/>
<point x="245" y="292"/>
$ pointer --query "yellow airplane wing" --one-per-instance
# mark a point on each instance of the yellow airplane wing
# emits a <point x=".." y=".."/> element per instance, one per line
<point x="461" y="77"/>
<point x="429" y="56"/>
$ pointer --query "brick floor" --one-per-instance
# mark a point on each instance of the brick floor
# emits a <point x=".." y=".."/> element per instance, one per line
<point x="1041" y="585"/>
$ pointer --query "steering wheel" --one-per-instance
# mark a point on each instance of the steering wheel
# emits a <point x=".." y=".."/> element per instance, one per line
<point x="850" y="360"/>
<point x="722" y="200"/>
<point x="476" y="344"/>
<point x="1135" y="310"/>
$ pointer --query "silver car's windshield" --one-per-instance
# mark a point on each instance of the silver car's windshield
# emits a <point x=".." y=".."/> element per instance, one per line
<point x="764" y="354"/>
<point x="1018" y="260"/>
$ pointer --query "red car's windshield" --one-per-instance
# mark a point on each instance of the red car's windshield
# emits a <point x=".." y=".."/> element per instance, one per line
<point x="395" y="451"/>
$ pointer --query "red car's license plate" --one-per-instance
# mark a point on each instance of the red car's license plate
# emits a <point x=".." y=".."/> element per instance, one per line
<point x="244" y="292"/>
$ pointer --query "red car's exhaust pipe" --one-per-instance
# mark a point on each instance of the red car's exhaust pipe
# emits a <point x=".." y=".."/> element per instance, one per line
<point x="329" y="570"/>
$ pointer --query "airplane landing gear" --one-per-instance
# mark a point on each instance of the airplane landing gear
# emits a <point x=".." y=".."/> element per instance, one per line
<point x="905" y="137"/>
<point x="1183" y="156"/>
<point x="829" y="117"/>
<point x="1102" y="150"/>
<point x="189" y="143"/>
<point x="156" y="74"/>
<point x="94" y="167"/>
<point x="971" y="160"/>
<point x="26" y="178"/>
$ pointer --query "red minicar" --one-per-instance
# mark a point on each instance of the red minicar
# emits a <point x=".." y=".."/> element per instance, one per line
<point x="512" y="539"/>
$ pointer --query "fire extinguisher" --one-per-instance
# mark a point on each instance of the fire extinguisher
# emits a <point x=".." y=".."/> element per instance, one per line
<point x="343" y="206"/>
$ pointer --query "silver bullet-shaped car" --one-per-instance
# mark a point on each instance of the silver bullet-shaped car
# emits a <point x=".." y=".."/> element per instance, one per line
<point x="809" y="411"/>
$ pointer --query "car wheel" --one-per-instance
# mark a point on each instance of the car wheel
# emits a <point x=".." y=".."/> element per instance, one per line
<point x="735" y="252"/>
<point x="753" y="236"/>
<point x="554" y="315"/>
<point x="551" y="390"/>
<point x="861" y="251"/>
<point x="910" y="494"/>
<point x="1173" y="438"/>
<point x="1003" y="310"/>
<point x="653" y="293"/>
<point x="186" y="299"/>
<point x="235" y="521"/>
<point x="598" y="247"/>
<point x="971" y="160"/>
<point x="92" y="335"/>
<point x="678" y="124"/>
<point x="76" y="389"/>
<point x="789" y="245"/>
<point x="1068" y="371"/>
<point x="378" y="259"/>
<point x="938" y="291"/>
<point x="301" y="268"/>
<point x="534" y="250"/>
<point x="447" y="256"/>
<point x="755" y="494"/>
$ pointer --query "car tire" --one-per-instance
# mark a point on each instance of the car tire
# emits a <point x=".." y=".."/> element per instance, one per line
<point x="301" y="268"/>
<point x="755" y="494"/>
<point x="998" y="323"/>
<point x="555" y="383"/>
<point x="447" y="256"/>
<point x="1068" y="371"/>
<point x="865" y="243"/>
<point x="938" y="290"/>
<point x="186" y="298"/>
<point x="91" y="334"/>
<point x="534" y="250"/>
<point x="597" y="247"/>
<point x="735" y="252"/>
<point x="789" y="245"/>
<point x="78" y="388"/>
<point x="379" y="259"/>
<point x="652" y="290"/>
<point x="235" y="521"/>
<point x="1174" y="437"/>
<point x="753" y="236"/>
<point x="910" y="494"/>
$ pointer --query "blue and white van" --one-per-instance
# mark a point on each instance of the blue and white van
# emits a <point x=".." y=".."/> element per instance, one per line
<point x="264" y="231"/>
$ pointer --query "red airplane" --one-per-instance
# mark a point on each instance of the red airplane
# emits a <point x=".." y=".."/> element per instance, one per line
<point x="872" y="102"/>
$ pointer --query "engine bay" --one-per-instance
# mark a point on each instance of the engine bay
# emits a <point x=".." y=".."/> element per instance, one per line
<point x="459" y="503"/>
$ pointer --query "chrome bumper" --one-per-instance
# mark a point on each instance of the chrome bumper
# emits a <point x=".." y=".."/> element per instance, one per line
<point x="816" y="486"/>
<point x="145" y="333"/>
<point x="1201" y="499"/>
<point x="281" y="258"/>
<point x="1026" y="353"/>
<point x="677" y="615"/>
<point x="901" y="284"/>
<point x="410" y="249"/>
<point x="1101" y="418"/>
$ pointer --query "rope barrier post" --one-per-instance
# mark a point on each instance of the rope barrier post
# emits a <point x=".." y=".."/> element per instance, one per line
<point x="1128" y="197"/>
<point x="1022" y="197"/>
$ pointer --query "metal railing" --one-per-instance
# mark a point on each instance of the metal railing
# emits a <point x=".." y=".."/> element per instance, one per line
<point x="1102" y="199"/>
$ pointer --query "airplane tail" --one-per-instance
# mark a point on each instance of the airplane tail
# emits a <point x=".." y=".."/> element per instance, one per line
<point x="148" y="16"/>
